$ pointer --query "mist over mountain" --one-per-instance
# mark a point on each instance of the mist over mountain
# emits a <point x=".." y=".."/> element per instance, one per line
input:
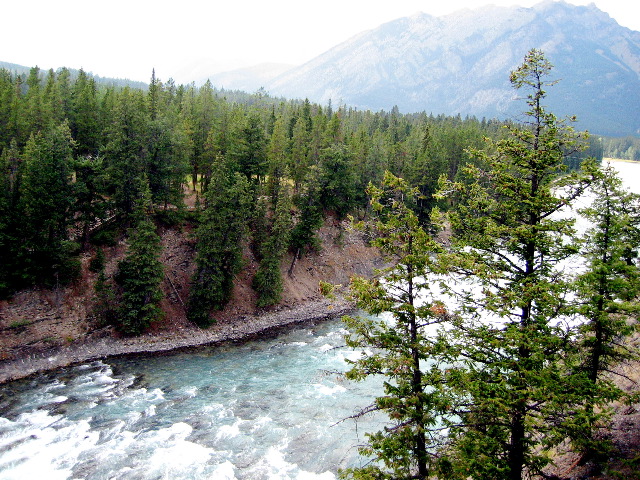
<point x="460" y="63"/>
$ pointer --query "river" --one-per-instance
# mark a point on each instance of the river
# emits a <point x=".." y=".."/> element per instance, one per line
<point x="265" y="409"/>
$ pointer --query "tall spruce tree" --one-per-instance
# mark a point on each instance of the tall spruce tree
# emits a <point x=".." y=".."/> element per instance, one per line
<point x="514" y="374"/>
<point x="126" y="150"/>
<point x="46" y="200"/>
<point x="220" y="238"/>
<point x="403" y="348"/>
<point x="607" y="292"/>
<point x="268" y="279"/>
<point x="140" y="274"/>
<point x="9" y="216"/>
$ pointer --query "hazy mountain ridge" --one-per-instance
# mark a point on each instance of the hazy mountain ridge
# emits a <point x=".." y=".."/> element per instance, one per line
<point x="73" y="72"/>
<point x="460" y="63"/>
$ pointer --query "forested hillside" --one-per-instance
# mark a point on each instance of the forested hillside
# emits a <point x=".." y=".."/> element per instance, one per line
<point x="82" y="163"/>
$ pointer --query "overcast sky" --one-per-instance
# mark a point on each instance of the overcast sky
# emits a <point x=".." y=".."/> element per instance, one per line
<point x="127" y="38"/>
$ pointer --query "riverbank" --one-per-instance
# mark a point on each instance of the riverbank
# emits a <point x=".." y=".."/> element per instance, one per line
<point x="241" y="328"/>
<point x="45" y="329"/>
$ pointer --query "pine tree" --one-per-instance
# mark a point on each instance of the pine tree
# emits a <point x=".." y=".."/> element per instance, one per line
<point x="607" y="291"/>
<point x="268" y="279"/>
<point x="277" y="159"/>
<point x="46" y="200"/>
<point x="10" y="218"/>
<point x="514" y="374"/>
<point x="403" y="348"/>
<point x="34" y="111"/>
<point x="338" y="181"/>
<point x="220" y="237"/>
<point x="140" y="275"/>
<point x="125" y="152"/>
<point x="304" y="233"/>
<point x="84" y="114"/>
<point x="89" y="189"/>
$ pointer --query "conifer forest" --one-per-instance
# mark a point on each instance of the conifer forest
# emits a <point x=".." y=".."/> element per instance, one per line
<point x="492" y="351"/>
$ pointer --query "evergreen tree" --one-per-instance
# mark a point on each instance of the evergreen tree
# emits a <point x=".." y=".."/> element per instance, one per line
<point x="46" y="200"/>
<point x="126" y="151"/>
<point x="514" y="377"/>
<point x="34" y="111"/>
<point x="304" y="233"/>
<point x="299" y="160"/>
<point x="89" y="189"/>
<point x="84" y="114"/>
<point x="268" y="279"/>
<point x="251" y="159"/>
<point x="402" y="348"/>
<point x="607" y="293"/>
<point x="10" y="218"/>
<point x="277" y="159"/>
<point x="140" y="275"/>
<point x="219" y="249"/>
<point x="338" y="181"/>
<point x="7" y="92"/>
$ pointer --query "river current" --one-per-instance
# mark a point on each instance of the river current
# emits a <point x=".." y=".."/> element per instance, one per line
<point x="265" y="409"/>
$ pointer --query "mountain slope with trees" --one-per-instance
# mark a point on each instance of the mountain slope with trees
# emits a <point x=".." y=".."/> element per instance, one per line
<point x="459" y="63"/>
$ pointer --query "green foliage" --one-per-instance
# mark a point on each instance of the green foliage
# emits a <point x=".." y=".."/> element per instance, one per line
<point x="607" y="293"/>
<point x="403" y="348"/>
<point x="627" y="148"/>
<point x="518" y="383"/>
<point x="338" y="183"/>
<point x="268" y="280"/>
<point x="139" y="279"/>
<point x="220" y="238"/>
<point x="303" y="235"/>
<point x="46" y="201"/>
<point x="105" y="308"/>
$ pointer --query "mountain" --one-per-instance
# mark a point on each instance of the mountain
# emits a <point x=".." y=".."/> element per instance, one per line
<point x="460" y="63"/>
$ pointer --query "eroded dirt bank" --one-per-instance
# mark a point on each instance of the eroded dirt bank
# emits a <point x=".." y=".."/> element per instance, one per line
<point x="46" y="329"/>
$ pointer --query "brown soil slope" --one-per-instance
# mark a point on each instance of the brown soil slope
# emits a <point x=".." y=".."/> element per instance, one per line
<point x="43" y="329"/>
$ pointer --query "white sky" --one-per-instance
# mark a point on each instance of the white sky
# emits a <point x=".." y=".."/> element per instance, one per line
<point x="127" y="38"/>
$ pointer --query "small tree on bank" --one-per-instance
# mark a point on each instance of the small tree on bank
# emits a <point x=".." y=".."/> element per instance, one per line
<point x="139" y="277"/>
<point x="268" y="280"/>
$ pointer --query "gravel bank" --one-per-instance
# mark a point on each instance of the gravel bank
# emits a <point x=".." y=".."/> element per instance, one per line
<point x="241" y="328"/>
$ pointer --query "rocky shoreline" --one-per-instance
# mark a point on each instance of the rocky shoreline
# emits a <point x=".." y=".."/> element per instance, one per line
<point x="243" y="327"/>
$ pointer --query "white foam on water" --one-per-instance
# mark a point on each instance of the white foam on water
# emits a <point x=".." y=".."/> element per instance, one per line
<point x="229" y="431"/>
<point x="274" y="467"/>
<point x="326" y="347"/>
<point x="176" y="457"/>
<point x="189" y="392"/>
<point x="150" y="411"/>
<point x="260" y="422"/>
<point x="40" y="445"/>
<point x="315" y="476"/>
<point x="224" y="471"/>
<point x="327" y="390"/>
